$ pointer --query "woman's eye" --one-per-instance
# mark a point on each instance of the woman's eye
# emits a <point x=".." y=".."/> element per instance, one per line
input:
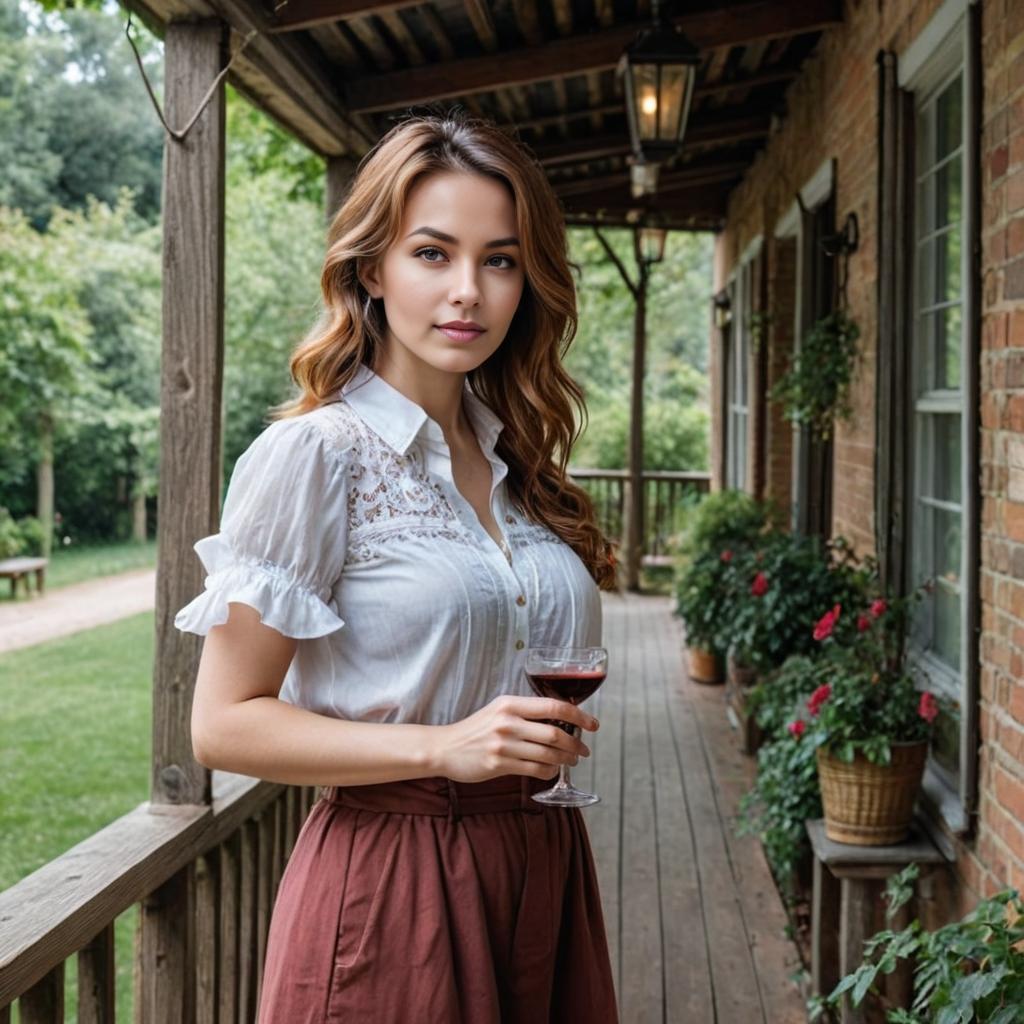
<point x="510" y="263"/>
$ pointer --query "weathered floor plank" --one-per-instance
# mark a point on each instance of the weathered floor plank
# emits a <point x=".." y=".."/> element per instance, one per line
<point x="696" y="928"/>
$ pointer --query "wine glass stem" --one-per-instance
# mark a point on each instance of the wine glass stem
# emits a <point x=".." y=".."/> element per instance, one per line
<point x="564" y="782"/>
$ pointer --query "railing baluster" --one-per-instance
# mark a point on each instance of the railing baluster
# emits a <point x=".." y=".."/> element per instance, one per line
<point x="228" y="925"/>
<point x="43" y="1003"/>
<point x="248" y="881"/>
<point x="166" y="951"/>
<point x="96" y="974"/>
<point x="291" y="832"/>
<point x="207" y="960"/>
<point x="264" y="872"/>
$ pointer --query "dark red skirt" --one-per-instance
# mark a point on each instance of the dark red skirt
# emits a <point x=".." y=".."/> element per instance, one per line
<point x="442" y="902"/>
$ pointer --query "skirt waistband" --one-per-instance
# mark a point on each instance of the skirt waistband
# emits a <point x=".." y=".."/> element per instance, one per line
<point x="439" y="795"/>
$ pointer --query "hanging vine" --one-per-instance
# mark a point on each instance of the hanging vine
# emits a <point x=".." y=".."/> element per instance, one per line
<point x="815" y="389"/>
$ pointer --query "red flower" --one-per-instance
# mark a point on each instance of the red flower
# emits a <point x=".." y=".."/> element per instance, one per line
<point x="760" y="585"/>
<point x="878" y="607"/>
<point x="820" y="695"/>
<point x="826" y="624"/>
<point x="863" y="623"/>
<point x="726" y="555"/>
<point x="928" y="707"/>
<point x="797" y="728"/>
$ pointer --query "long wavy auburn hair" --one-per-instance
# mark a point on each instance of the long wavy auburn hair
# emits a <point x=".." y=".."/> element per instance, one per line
<point x="524" y="381"/>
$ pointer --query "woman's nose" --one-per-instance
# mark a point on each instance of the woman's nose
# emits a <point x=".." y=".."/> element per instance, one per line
<point x="466" y="287"/>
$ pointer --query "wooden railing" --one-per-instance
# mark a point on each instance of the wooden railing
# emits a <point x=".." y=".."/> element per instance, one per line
<point x="664" y="503"/>
<point x="205" y="879"/>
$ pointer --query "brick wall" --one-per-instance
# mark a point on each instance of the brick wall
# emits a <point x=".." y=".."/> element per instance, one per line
<point x="832" y="113"/>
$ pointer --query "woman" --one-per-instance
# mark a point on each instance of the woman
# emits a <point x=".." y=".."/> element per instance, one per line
<point x="390" y="547"/>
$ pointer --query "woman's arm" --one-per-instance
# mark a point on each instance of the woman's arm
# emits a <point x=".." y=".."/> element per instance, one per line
<point x="240" y="725"/>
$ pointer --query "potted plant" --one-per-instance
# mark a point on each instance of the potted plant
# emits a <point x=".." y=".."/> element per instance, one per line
<point x="870" y="722"/>
<point x="699" y="593"/>
<point x="815" y="388"/>
<point x="772" y="600"/>
<point x="722" y="525"/>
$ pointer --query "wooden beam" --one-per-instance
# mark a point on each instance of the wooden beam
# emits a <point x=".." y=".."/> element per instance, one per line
<point x="298" y="14"/>
<point x="576" y="55"/>
<point x="704" y="131"/>
<point x="704" y="174"/>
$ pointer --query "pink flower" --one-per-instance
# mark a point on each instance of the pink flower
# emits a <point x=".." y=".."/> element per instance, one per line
<point x="820" y="695"/>
<point x="826" y="623"/>
<point x="760" y="585"/>
<point x="726" y="555"/>
<point x="878" y="607"/>
<point x="797" y="728"/>
<point x="928" y="707"/>
<point x="863" y="623"/>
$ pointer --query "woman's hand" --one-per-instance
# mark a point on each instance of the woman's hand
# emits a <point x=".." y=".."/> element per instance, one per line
<point x="509" y="737"/>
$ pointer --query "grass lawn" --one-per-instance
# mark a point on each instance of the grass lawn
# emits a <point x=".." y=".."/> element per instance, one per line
<point x="76" y="564"/>
<point x="76" y="729"/>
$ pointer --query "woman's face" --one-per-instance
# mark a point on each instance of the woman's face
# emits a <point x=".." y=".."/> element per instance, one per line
<point x="426" y="280"/>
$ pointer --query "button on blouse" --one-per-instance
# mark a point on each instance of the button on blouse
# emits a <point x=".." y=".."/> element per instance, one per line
<point x="344" y="529"/>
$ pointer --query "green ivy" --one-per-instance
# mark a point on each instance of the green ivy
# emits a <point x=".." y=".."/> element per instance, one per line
<point x="965" y="972"/>
<point x="815" y="388"/>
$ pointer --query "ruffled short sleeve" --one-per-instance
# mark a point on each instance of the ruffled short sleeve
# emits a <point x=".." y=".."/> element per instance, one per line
<point x="282" y="539"/>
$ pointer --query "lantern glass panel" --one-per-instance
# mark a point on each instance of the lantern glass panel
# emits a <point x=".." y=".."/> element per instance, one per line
<point x="645" y="93"/>
<point x="673" y="89"/>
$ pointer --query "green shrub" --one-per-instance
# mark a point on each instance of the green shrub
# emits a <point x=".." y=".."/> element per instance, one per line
<point x="968" y="971"/>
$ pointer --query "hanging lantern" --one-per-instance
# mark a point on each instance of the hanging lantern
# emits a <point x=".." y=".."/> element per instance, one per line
<point x="659" y="69"/>
<point x="652" y="237"/>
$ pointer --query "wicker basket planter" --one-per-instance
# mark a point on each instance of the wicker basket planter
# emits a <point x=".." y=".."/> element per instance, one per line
<point x="869" y="804"/>
<point x="705" y="666"/>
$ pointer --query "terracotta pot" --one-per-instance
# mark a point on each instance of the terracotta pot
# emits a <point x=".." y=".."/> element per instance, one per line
<point x="705" y="666"/>
<point x="869" y="804"/>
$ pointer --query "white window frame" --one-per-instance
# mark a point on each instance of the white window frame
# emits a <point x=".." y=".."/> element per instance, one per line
<point x="737" y="368"/>
<point x="927" y="67"/>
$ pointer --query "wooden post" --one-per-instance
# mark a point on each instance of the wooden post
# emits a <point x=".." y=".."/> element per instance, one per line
<point x="190" y="389"/>
<point x="635" y="517"/>
<point x="192" y="369"/>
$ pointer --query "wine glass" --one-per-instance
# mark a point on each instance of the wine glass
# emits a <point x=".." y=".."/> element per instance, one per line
<point x="571" y="674"/>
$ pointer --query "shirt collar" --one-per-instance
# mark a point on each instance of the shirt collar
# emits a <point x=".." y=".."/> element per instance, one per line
<point x="400" y="421"/>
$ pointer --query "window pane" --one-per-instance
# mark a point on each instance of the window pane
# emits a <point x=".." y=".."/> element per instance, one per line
<point x="946" y="249"/>
<point x="948" y="189"/>
<point x="946" y="636"/>
<point x="948" y="118"/>
<point x="946" y="458"/>
<point x="949" y="346"/>
<point x="946" y="741"/>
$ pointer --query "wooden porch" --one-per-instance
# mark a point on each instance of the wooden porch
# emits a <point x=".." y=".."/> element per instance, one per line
<point x="695" y="923"/>
<point x="696" y="928"/>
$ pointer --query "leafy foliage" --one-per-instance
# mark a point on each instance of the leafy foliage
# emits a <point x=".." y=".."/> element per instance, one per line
<point x="815" y="388"/>
<point x="969" y="971"/>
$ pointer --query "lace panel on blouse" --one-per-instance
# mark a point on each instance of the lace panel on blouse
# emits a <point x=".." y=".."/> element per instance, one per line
<point x="389" y="494"/>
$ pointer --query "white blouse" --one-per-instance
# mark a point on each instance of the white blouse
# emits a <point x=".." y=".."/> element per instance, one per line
<point x="348" y="516"/>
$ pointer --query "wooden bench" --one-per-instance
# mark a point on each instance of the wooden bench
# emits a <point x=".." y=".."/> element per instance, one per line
<point x="18" y="568"/>
<point x="848" y="885"/>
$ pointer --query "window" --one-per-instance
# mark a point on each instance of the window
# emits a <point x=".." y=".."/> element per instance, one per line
<point x="941" y="415"/>
<point x="737" y="373"/>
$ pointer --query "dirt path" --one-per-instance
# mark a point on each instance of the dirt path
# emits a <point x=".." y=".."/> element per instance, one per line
<point x="35" y="620"/>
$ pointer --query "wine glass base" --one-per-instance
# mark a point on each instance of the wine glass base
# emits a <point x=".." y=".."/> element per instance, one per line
<point x="566" y="796"/>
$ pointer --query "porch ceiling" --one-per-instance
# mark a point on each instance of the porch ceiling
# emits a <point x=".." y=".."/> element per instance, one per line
<point x="337" y="73"/>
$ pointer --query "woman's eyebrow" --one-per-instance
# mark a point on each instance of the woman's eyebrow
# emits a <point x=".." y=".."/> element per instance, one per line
<point x="434" y="233"/>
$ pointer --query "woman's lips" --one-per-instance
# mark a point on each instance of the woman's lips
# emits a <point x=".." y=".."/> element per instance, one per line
<point x="456" y="335"/>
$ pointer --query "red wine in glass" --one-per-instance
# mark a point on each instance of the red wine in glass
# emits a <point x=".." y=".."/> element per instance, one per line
<point x="571" y="674"/>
